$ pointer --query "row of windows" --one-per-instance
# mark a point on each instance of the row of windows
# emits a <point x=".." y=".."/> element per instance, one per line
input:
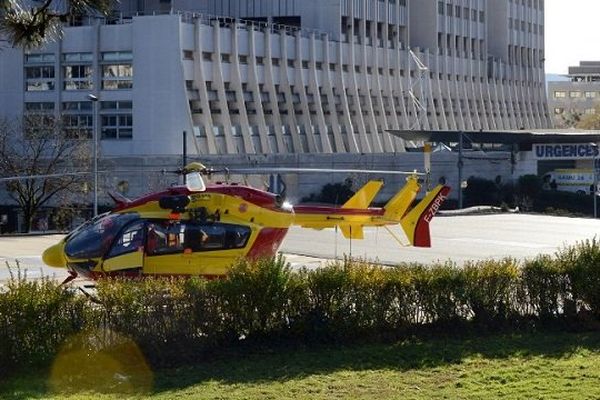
<point x="79" y="105"/>
<point x="460" y="12"/>
<point x="46" y="58"/>
<point x="116" y="120"/>
<point x="525" y="56"/>
<point x="281" y="98"/>
<point x="537" y="4"/>
<point x="525" y="26"/>
<point x="401" y="2"/>
<point x="575" y="94"/>
<point x="470" y="46"/>
<point x="588" y="111"/>
<point x="79" y="77"/>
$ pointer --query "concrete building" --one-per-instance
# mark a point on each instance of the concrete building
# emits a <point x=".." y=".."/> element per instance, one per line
<point x="286" y="76"/>
<point x="577" y="97"/>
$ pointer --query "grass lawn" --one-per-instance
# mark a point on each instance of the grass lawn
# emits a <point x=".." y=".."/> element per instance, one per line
<point x="531" y="366"/>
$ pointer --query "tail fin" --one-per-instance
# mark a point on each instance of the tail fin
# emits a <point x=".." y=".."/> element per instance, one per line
<point x="363" y="198"/>
<point x="398" y="205"/>
<point x="416" y="222"/>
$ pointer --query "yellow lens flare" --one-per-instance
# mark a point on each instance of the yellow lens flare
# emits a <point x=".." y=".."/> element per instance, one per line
<point x="100" y="361"/>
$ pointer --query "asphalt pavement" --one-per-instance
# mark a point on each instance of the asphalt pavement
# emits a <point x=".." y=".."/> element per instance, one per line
<point x="456" y="238"/>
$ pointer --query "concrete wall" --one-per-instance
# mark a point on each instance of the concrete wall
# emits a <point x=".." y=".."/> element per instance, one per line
<point x="301" y="185"/>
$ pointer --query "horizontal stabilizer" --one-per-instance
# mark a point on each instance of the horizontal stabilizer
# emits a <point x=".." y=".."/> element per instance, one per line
<point x="364" y="197"/>
<point x="416" y="222"/>
<point x="352" y="231"/>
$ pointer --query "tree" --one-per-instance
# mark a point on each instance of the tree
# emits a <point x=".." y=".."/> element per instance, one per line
<point x="31" y="24"/>
<point x="590" y="121"/>
<point x="38" y="145"/>
<point x="569" y="119"/>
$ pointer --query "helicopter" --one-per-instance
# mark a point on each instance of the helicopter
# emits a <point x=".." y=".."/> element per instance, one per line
<point x="199" y="229"/>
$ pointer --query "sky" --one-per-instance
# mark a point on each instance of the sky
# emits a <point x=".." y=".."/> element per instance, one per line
<point x="572" y="33"/>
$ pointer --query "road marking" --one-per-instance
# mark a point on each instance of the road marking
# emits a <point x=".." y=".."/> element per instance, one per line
<point x="502" y="243"/>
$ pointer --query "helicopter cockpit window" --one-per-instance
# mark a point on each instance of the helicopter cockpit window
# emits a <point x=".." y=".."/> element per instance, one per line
<point x="132" y="239"/>
<point x="94" y="240"/>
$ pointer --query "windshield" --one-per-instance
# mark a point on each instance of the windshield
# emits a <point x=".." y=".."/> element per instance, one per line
<point x="92" y="241"/>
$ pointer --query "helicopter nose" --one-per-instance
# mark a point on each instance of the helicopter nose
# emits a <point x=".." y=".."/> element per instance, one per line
<point x="54" y="256"/>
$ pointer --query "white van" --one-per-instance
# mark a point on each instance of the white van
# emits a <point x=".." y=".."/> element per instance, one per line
<point x="570" y="180"/>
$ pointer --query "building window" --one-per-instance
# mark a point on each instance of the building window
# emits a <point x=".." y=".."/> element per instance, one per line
<point x="560" y="94"/>
<point x="225" y="58"/>
<point x="188" y="55"/>
<point x="68" y="106"/>
<point x="117" y="56"/>
<point x="39" y="78"/>
<point x="275" y="62"/>
<point x="116" y="105"/>
<point x="558" y="110"/>
<point x="77" y="77"/>
<point x="441" y="7"/>
<point x="206" y="56"/>
<point x="40" y="58"/>
<point x="243" y="59"/>
<point x="117" y="126"/>
<point x="574" y="94"/>
<point x="590" y="95"/>
<point x="117" y="76"/>
<point x="590" y="111"/>
<point x="77" y="57"/>
<point x="78" y="125"/>
<point x="39" y="107"/>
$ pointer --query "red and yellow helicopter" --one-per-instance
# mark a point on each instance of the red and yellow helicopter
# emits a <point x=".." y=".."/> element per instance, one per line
<point x="200" y="229"/>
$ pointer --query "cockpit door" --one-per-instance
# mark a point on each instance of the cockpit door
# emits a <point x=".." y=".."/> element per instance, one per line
<point x="127" y="252"/>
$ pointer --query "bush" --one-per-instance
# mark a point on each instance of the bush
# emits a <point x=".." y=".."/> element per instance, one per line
<point x="36" y="316"/>
<point x="176" y="321"/>
<point x="583" y="270"/>
<point x="332" y="193"/>
<point x="481" y="192"/>
<point x="545" y="285"/>
<point x="489" y="290"/>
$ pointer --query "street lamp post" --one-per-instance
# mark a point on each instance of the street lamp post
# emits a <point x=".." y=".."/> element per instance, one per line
<point x="595" y="191"/>
<point x="94" y="100"/>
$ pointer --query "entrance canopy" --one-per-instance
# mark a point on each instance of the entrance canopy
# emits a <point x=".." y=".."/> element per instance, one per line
<point x="524" y="138"/>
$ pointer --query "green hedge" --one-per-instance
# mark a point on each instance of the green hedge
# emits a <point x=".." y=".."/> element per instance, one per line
<point x="178" y="320"/>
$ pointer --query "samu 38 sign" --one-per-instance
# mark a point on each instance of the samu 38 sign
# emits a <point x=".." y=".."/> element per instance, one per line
<point x="565" y="151"/>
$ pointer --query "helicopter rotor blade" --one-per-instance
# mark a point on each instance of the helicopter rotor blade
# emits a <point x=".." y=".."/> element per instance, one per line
<point x="57" y="175"/>
<point x="258" y="171"/>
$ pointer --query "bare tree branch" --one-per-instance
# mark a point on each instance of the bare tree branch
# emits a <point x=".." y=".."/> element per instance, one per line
<point x="33" y="146"/>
